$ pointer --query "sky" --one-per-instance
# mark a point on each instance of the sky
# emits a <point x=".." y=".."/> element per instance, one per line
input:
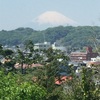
<point x="41" y="14"/>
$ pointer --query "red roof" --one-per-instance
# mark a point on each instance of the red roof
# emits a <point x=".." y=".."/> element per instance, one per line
<point x="62" y="79"/>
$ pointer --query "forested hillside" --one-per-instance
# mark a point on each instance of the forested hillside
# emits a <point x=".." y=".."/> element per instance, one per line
<point x="68" y="36"/>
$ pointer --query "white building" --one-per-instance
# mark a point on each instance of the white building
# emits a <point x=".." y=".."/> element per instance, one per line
<point x="41" y="46"/>
<point x="47" y="45"/>
<point x="55" y="47"/>
<point x="93" y="62"/>
<point x="97" y="59"/>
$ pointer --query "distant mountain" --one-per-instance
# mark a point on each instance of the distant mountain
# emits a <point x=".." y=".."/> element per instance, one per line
<point x="50" y="19"/>
<point x="68" y="36"/>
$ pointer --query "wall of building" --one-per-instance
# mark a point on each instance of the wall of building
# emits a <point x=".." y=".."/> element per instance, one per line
<point x="83" y="56"/>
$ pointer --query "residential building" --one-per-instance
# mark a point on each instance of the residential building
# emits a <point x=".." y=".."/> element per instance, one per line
<point x="57" y="47"/>
<point x="41" y="46"/>
<point x="94" y="62"/>
<point x="83" y="56"/>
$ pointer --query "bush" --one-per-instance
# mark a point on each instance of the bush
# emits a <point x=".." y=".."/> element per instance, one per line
<point x="12" y="89"/>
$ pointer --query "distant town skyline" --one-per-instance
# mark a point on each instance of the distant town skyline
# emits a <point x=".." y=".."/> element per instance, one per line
<point x="41" y="14"/>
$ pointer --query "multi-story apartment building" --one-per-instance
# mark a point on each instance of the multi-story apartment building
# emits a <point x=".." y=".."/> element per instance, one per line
<point x="83" y="56"/>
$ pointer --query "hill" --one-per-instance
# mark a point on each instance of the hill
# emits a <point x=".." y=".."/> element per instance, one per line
<point x="68" y="36"/>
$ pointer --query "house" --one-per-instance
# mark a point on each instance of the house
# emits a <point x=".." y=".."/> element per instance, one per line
<point x="94" y="62"/>
<point x="62" y="79"/>
<point x="58" y="47"/>
<point x="83" y="56"/>
<point x="4" y="60"/>
<point x="42" y="46"/>
<point x="25" y="66"/>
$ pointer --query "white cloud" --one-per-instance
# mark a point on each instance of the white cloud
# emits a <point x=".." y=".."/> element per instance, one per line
<point x="54" y="18"/>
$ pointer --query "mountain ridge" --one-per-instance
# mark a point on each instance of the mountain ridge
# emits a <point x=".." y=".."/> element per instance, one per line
<point x="68" y="36"/>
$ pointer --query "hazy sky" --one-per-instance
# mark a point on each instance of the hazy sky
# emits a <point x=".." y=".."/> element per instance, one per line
<point x="40" y="14"/>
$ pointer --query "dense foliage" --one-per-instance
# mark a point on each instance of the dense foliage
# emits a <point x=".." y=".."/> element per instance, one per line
<point x="69" y="36"/>
<point x="12" y="89"/>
